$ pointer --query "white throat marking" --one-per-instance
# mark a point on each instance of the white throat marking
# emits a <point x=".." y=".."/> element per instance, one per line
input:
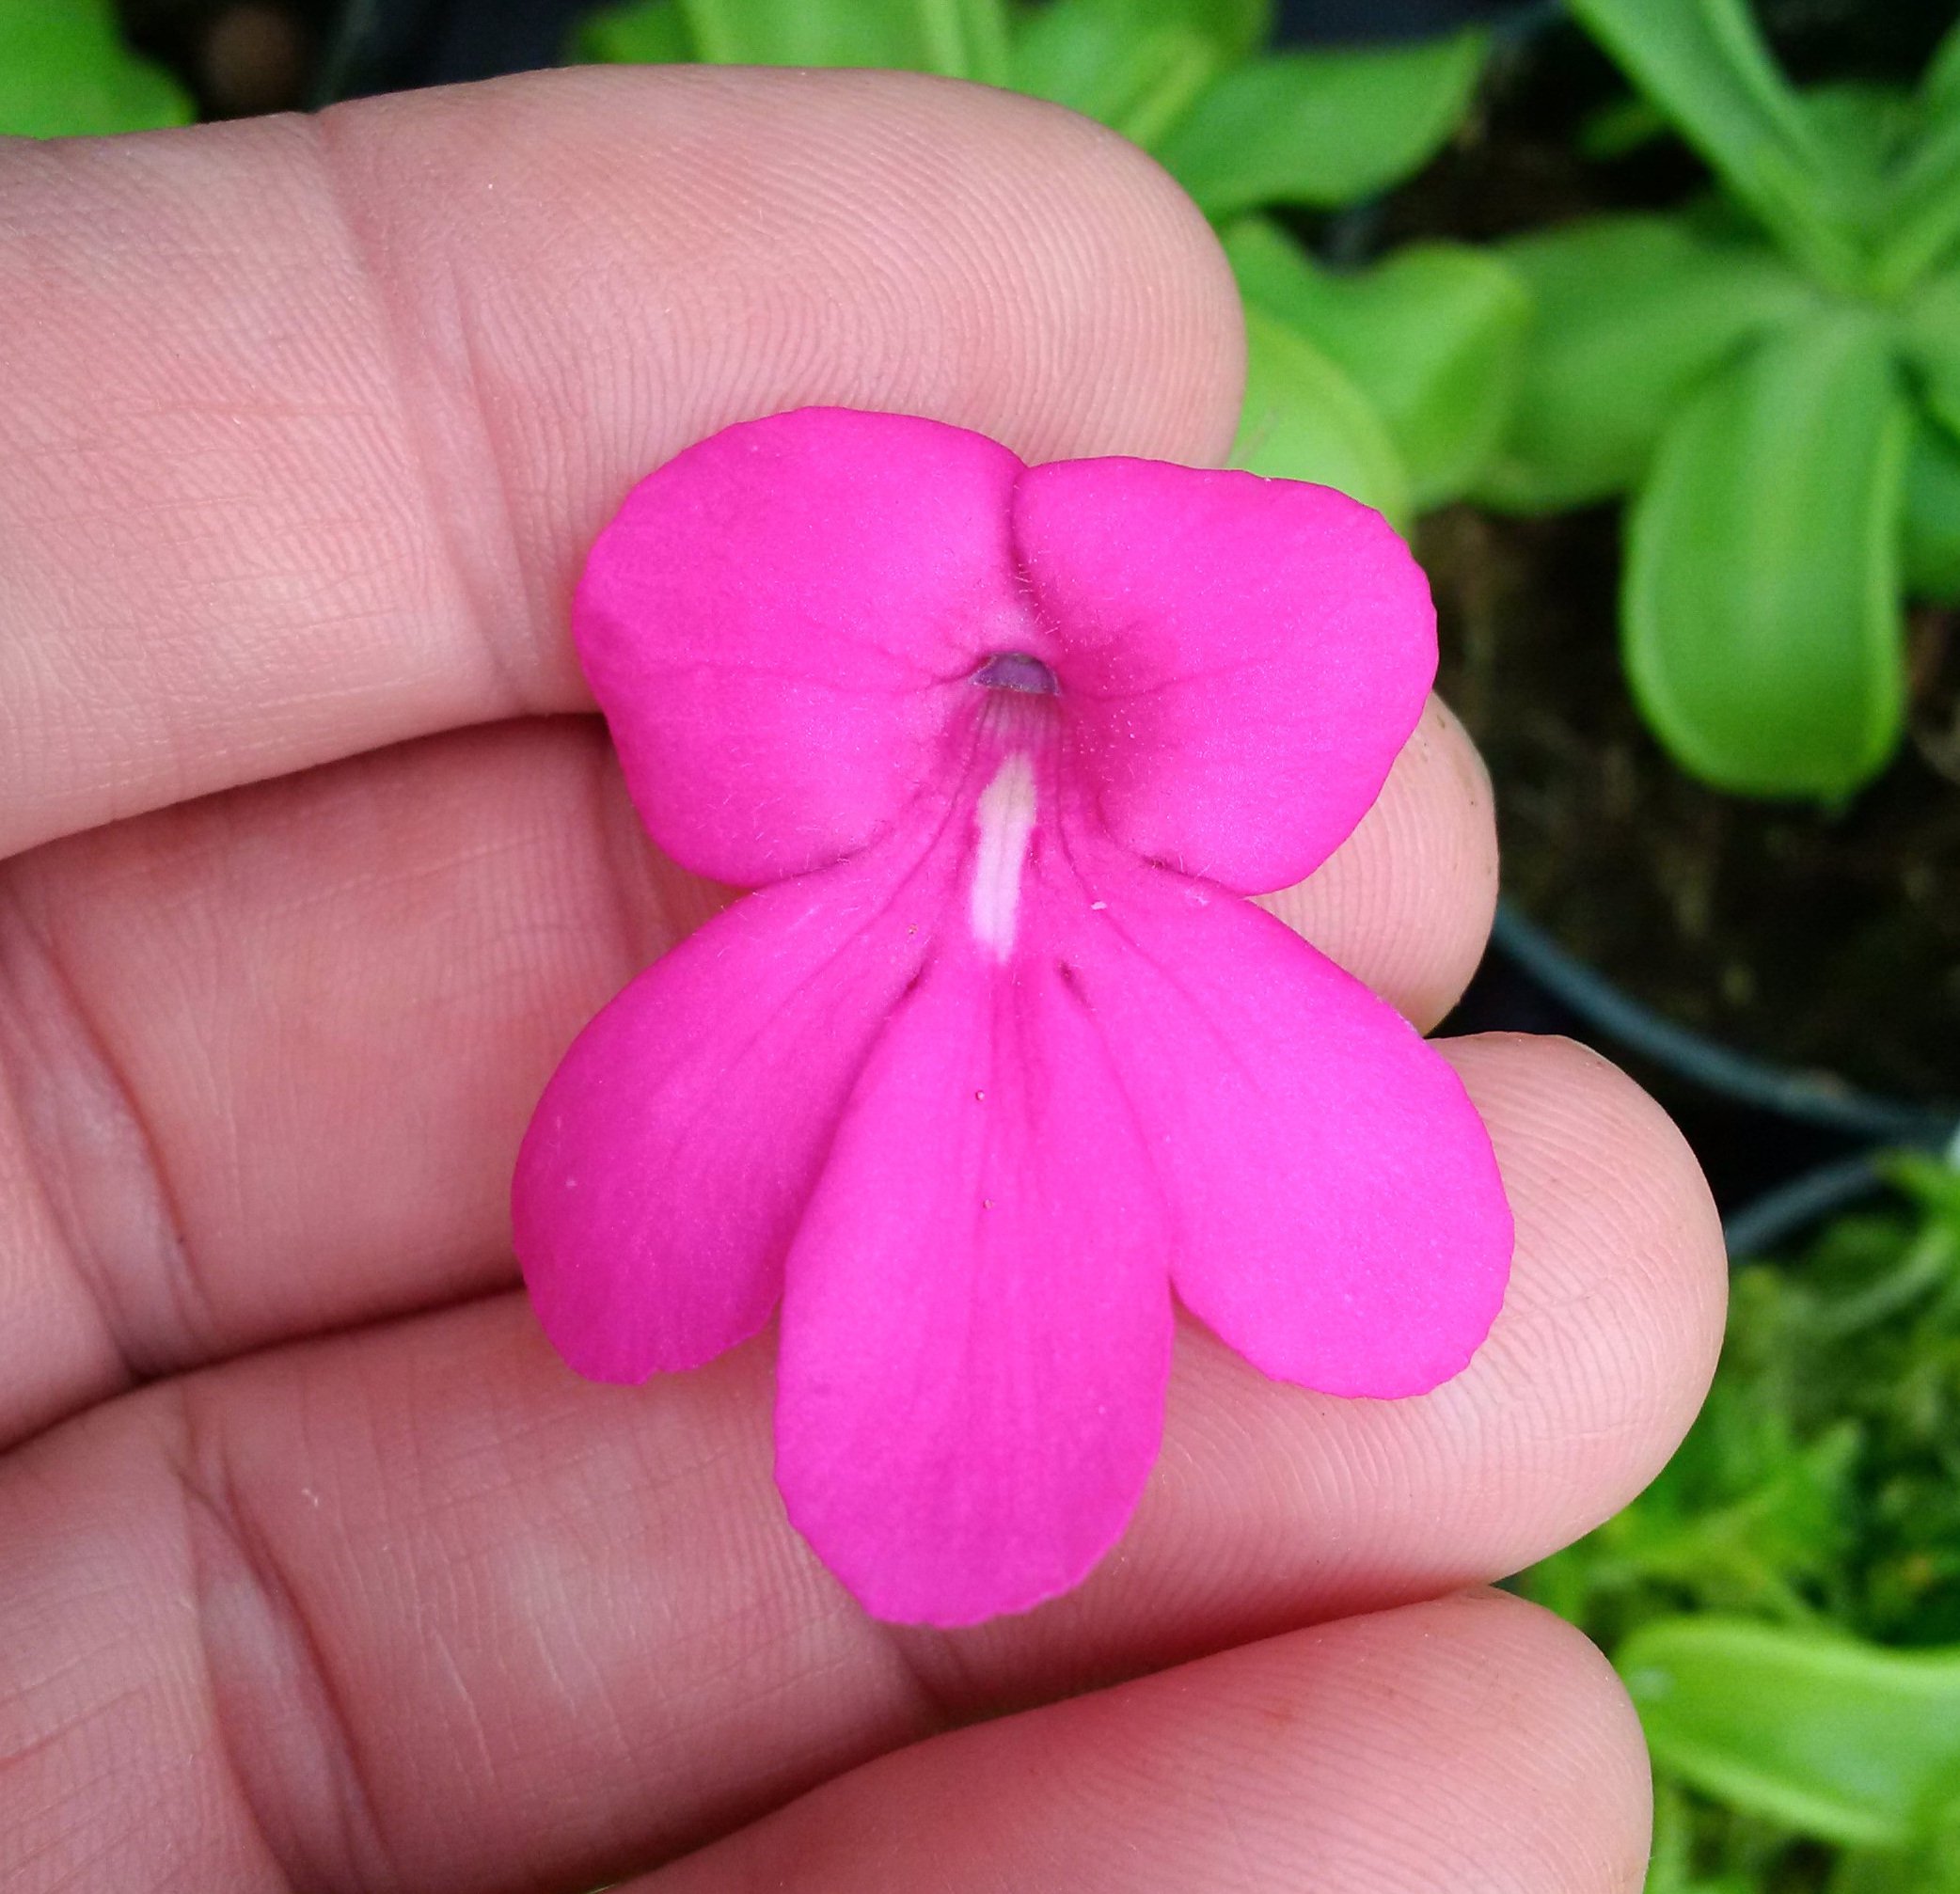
<point x="1005" y="818"/>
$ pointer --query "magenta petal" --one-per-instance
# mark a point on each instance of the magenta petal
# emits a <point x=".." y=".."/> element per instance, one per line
<point x="1243" y="657"/>
<point x="775" y="622"/>
<point x="977" y="1326"/>
<point x="1337" y="1215"/>
<point x="663" y="1174"/>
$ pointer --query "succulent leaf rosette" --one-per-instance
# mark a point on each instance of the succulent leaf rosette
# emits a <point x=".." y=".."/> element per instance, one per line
<point x="998" y="1059"/>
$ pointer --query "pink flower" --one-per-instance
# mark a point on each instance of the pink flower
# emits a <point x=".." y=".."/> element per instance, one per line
<point x="998" y="1057"/>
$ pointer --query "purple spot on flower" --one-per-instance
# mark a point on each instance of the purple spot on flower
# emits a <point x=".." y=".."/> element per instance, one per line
<point x="1016" y="670"/>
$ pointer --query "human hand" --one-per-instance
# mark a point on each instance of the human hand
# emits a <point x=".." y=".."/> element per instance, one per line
<point x="317" y="1569"/>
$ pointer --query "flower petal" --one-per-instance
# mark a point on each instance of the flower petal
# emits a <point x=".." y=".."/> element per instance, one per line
<point x="1242" y="658"/>
<point x="976" y="1327"/>
<point x="774" y="620"/>
<point x="664" y="1171"/>
<point x="1337" y="1215"/>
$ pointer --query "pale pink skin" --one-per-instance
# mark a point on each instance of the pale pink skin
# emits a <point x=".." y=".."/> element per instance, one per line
<point x="999" y="1057"/>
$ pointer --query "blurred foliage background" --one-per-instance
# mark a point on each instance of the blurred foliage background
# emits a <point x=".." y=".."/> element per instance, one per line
<point x="1730" y="299"/>
<point x="1784" y="1601"/>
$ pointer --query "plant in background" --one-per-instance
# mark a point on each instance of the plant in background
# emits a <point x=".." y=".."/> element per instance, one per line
<point x="1784" y="1601"/>
<point x="1390" y="383"/>
<point x="1775" y="376"/>
<point x="65" y="72"/>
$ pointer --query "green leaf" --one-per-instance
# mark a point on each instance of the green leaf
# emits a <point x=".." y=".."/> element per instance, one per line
<point x="1432" y="337"/>
<point x="1273" y="270"/>
<point x="1862" y="130"/>
<point x="961" y="39"/>
<point x="64" y="72"/>
<point x="1237" y="27"/>
<point x="1931" y="333"/>
<point x="1305" y="419"/>
<point x="1922" y="211"/>
<point x="649" y="33"/>
<point x="1322" y="128"/>
<point x="974" y="40"/>
<point x="1932" y="1871"/>
<point x="1837" y="1739"/>
<point x="1940" y="84"/>
<point x="1630" y="314"/>
<point x="1135" y="68"/>
<point x="1705" y="64"/>
<point x="1620" y="126"/>
<point x="1232" y="28"/>
<point x="1760" y="611"/>
<point x="1931" y="553"/>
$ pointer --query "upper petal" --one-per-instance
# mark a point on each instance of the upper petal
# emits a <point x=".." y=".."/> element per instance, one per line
<point x="1337" y="1212"/>
<point x="976" y="1324"/>
<point x="1242" y="658"/>
<point x="665" y="1168"/>
<point x="773" y="623"/>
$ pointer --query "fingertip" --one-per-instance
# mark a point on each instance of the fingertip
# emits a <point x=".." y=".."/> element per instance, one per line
<point x="1556" y="1735"/>
<point x="1405" y="904"/>
<point x="1618" y="1295"/>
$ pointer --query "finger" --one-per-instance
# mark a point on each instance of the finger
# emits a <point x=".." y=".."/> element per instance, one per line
<point x="1475" y="1742"/>
<point x="378" y="379"/>
<point x="1405" y="903"/>
<point x="308" y="1019"/>
<point x="477" y="1612"/>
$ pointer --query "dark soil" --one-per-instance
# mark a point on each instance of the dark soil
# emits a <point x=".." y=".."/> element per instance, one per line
<point x="235" y="57"/>
<point x="1819" y="938"/>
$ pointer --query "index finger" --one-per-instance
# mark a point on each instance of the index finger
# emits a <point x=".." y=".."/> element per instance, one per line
<point x="309" y="422"/>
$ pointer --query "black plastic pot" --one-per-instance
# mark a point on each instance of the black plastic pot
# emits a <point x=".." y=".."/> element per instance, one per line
<point x="1355" y="23"/>
<point x="1782" y="1147"/>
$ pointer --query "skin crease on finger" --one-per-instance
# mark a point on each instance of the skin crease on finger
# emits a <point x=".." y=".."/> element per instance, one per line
<point x="415" y="1606"/>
